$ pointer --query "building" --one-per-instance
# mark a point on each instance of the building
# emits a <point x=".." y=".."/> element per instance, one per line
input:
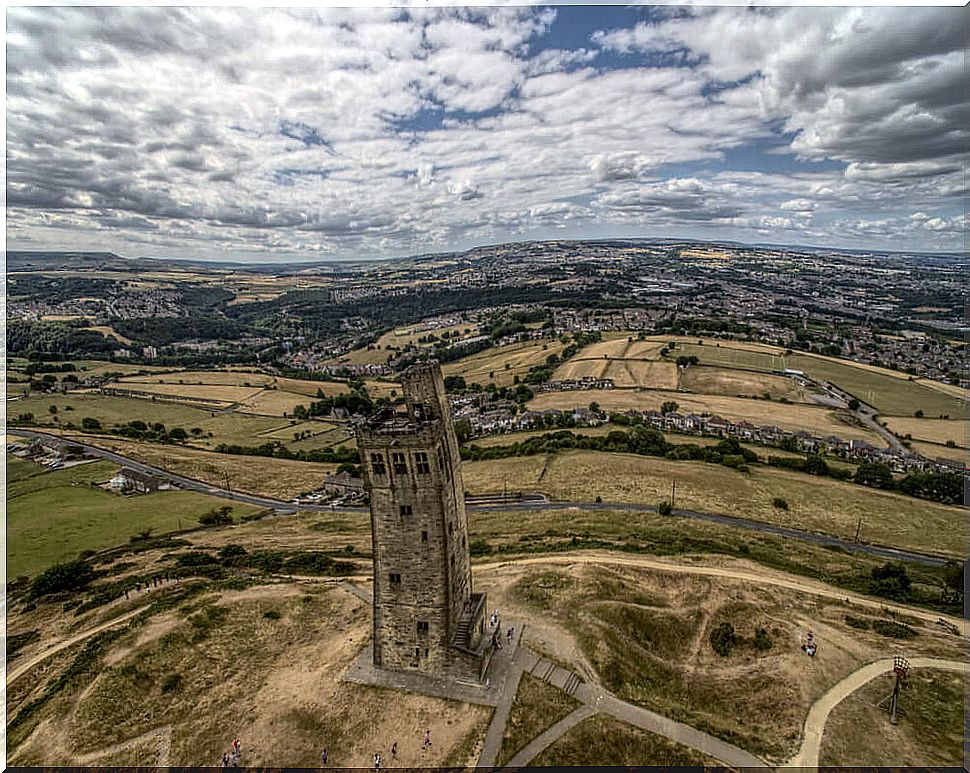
<point x="127" y="480"/>
<point x="343" y="483"/>
<point x="426" y="617"/>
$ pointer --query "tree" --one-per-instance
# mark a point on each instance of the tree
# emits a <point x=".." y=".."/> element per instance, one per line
<point x="723" y="638"/>
<point x="669" y="406"/>
<point x="90" y="424"/>
<point x="919" y="413"/>
<point x="178" y="434"/>
<point x="815" y="465"/>
<point x="70" y="575"/>
<point x="52" y="409"/>
<point x="953" y="580"/>
<point x="217" y="517"/>
<point x="594" y="407"/>
<point x="463" y="430"/>
<point x="854" y="404"/>
<point x="875" y="474"/>
<point x="664" y="508"/>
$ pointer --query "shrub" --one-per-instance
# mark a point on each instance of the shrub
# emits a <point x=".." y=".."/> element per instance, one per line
<point x="271" y="614"/>
<point x="664" y="508"/>
<point x="780" y="503"/>
<point x="217" y="517"/>
<point x="479" y="547"/>
<point x="893" y="629"/>
<point x="762" y="642"/>
<point x="723" y="638"/>
<point x="67" y="576"/>
<point x="90" y="424"/>
<point x="890" y="580"/>
<point x="171" y="683"/>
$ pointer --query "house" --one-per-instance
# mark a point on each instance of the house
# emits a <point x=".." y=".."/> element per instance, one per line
<point x="127" y="480"/>
<point x="586" y="417"/>
<point x="343" y="483"/>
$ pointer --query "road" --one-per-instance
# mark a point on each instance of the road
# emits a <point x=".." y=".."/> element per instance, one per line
<point x="280" y="507"/>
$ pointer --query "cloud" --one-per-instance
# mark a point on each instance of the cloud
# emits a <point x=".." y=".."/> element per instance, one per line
<point x="367" y="132"/>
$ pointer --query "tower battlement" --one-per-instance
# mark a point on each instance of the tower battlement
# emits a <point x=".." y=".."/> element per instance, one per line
<point x="426" y="617"/>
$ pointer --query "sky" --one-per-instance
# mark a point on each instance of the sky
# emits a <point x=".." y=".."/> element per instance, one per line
<point x="265" y="135"/>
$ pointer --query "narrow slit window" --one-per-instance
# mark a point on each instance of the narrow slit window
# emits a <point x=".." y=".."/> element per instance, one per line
<point x="394" y="578"/>
<point x="407" y="510"/>
<point x="422" y="626"/>
<point x="400" y="464"/>
<point x="424" y="536"/>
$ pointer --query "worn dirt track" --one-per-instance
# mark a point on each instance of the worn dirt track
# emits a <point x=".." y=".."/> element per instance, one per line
<point x="755" y="576"/>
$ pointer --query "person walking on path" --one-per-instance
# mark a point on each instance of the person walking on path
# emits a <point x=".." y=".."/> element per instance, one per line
<point x="323" y="758"/>
<point x="427" y="740"/>
<point x="225" y="759"/>
<point x="511" y="633"/>
<point x="394" y="750"/>
<point x="377" y="761"/>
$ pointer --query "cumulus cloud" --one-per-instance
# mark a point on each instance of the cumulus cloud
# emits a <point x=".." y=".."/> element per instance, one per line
<point x="367" y="132"/>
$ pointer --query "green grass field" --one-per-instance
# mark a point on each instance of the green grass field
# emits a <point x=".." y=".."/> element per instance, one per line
<point x="52" y="519"/>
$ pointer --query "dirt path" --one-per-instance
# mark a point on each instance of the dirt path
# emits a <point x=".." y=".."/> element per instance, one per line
<point x="757" y="577"/>
<point x="53" y="649"/>
<point x="807" y="755"/>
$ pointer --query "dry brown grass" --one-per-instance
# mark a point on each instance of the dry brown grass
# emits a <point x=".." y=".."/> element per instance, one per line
<point x="818" y="420"/>
<point x="825" y="506"/>
<point x="277" y="478"/>
<point x="937" y="451"/>
<point x="932" y="430"/>
<point x="739" y="383"/>
<point x="273" y="402"/>
<point x="222" y="393"/>
<point x="236" y="378"/>
<point x="273" y="682"/>
<point x="929" y="733"/>
<point x="309" y="388"/>
<point x="518" y="357"/>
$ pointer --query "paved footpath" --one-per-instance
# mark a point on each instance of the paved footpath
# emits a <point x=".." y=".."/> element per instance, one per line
<point x="807" y="755"/>
<point x="596" y="699"/>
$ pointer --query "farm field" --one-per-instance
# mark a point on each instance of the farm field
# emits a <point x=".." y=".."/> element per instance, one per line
<point x="929" y="733"/>
<point x="108" y="409"/>
<point x="309" y="388"/>
<point x="826" y="506"/>
<point x="816" y="419"/>
<point x="518" y="357"/>
<point x="273" y="402"/>
<point x="277" y="478"/>
<point x="936" y="451"/>
<point x="625" y="372"/>
<point x="739" y="383"/>
<point x="890" y="392"/>
<point x="220" y="393"/>
<point x="238" y="378"/>
<point x="54" y="515"/>
<point x="932" y="430"/>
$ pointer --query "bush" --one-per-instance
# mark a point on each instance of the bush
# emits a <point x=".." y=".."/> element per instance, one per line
<point x="664" y="508"/>
<point x="893" y="629"/>
<point x="90" y="424"/>
<point x="68" y="576"/>
<point x="857" y="622"/>
<point x="890" y="580"/>
<point x="217" y="517"/>
<point x="479" y="547"/>
<point x="762" y="642"/>
<point x="723" y="638"/>
<point x="780" y="503"/>
<point x="271" y="614"/>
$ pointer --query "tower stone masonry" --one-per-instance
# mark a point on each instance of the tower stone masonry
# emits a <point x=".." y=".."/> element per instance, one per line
<point x="426" y="617"/>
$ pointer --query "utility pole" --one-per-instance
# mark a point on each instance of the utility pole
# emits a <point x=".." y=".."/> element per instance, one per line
<point x="857" y="527"/>
<point x="226" y="473"/>
<point x="673" y="493"/>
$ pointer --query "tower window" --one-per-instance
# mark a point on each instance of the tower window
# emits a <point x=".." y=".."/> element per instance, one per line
<point x="424" y="536"/>
<point x="406" y="510"/>
<point x="377" y="464"/>
<point x="422" y="626"/>
<point x="451" y="528"/>
<point x="421" y="462"/>
<point x="400" y="464"/>
<point x="394" y="578"/>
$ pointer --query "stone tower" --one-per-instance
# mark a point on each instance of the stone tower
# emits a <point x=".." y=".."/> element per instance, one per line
<point x="426" y="617"/>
